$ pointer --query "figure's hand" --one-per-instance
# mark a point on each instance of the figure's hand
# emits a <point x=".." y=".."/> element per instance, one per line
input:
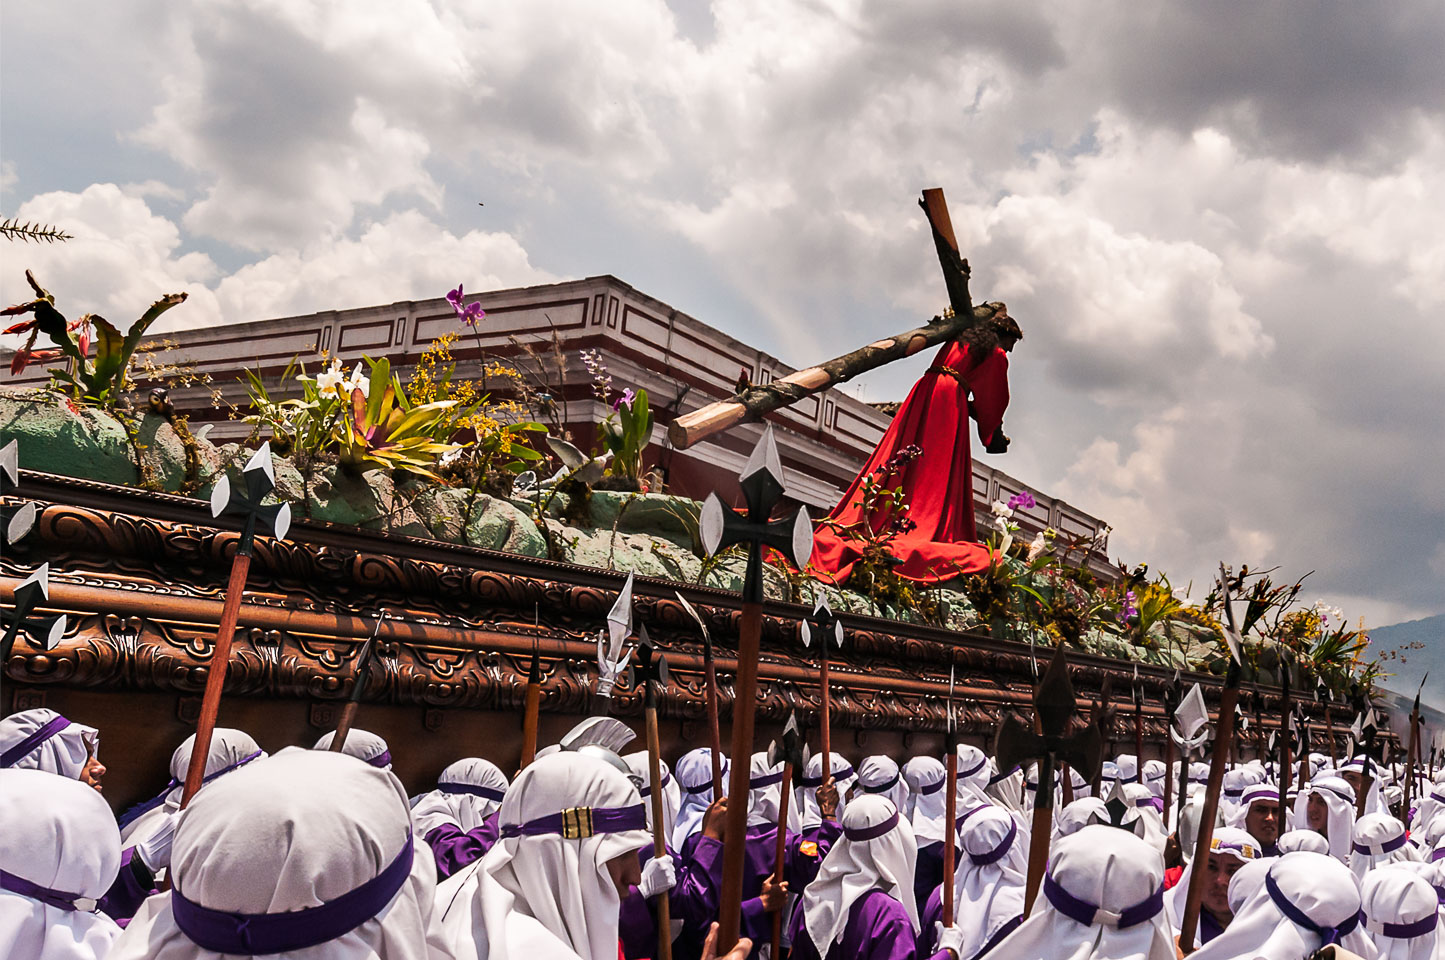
<point x="658" y="876"/>
<point x="828" y="799"/>
<point x="949" y="938"/>
<point x="715" y="820"/>
<point x="998" y="443"/>
<point x="739" y="952"/>
<point x="774" y="895"/>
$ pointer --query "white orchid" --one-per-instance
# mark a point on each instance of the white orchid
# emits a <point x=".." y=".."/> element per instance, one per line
<point x="1002" y="510"/>
<point x="358" y="381"/>
<point x="1036" y="547"/>
<point x="329" y="380"/>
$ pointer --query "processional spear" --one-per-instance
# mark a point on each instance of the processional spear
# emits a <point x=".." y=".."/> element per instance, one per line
<point x="825" y="623"/>
<point x="532" y="704"/>
<point x="257" y="481"/>
<point x="1286" y="733"/>
<point x="1412" y="755"/>
<point x="793" y="755"/>
<point x="710" y="695"/>
<point x="757" y="401"/>
<point x="1054" y="709"/>
<point x="651" y="671"/>
<point x="610" y="659"/>
<point x="1329" y="723"/>
<point x="722" y="526"/>
<point x="1227" y="699"/>
<point x="1137" y="689"/>
<point x="363" y="673"/>
<point x="1171" y="696"/>
<point x="950" y="803"/>
<point x="1102" y="718"/>
<point x="1192" y="717"/>
<point x="1364" y="730"/>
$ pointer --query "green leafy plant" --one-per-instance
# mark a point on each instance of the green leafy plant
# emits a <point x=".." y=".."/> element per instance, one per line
<point x="626" y="433"/>
<point x="383" y="428"/>
<point x="101" y="380"/>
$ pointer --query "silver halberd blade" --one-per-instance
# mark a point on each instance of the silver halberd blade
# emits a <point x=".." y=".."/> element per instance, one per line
<point x="765" y="457"/>
<point x="619" y="618"/>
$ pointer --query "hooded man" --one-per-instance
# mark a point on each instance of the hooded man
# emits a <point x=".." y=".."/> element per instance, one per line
<point x="1329" y="810"/>
<point x="927" y="779"/>
<point x="1309" y="900"/>
<point x="1379" y="839"/>
<point x="861" y="903"/>
<point x="303" y="853"/>
<point x="59" y="852"/>
<point x="880" y="777"/>
<point x="1229" y="850"/>
<point x="1399" y="911"/>
<point x="694" y="776"/>
<point x="458" y="819"/>
<point x="552" y="887"/>
<point x="361" y="744"/>
<point x="1258" y="814"/>
<point x="807" y="793"/>
<point x="1102" y="899"/>
<point x="42" y="739"/>
<point x="988" y="886"/>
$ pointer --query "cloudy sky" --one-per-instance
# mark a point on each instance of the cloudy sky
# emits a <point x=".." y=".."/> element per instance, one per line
<point x="1218" y="224"/>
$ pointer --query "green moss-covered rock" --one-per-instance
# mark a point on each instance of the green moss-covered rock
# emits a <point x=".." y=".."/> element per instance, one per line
<point x="494" y="524"/>
<point x="74" y="442"/>
<point x="655" y="514"/>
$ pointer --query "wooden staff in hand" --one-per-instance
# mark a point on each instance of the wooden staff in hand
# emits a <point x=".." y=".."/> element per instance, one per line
<point x="1137" y="689"/>
<point x="532" y="706"/>
<point x="825" y="625"/>
<point x="1054" y="709"/>
<point x="358" y="685"/>
<point x="792" y="754"/>
<point x="1189" y="925"/>
<point x="651" y="672"/>
<point x="257" y="481"/>
<point x="1286" y="725"/>
<point x="756" y="401"/>
<point x="722" y="526"/>
<point x="710" y="695"/>
<point x="950" y="804"/>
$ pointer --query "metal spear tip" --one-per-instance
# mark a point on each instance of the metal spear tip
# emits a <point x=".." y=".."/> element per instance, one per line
<point x="762" y="477"/>
<point x="710" y="523"/>
<point x="259" y="474"/>
<point x="802" y="539"/>
<point x="619" y="618"/>
<point x="807" y="634"/>
<point x="22" y="522"/>
<point x="1054" y="698"/>
<point x="221" y="496"/>
<point x="281" y="522"/>
<point x="695" y="615"/>
<point x="764" y="458"/>
<point x="1232" y="639"/>
<point x="36" y="588"/>
<point x="10" y="461"/>
<point x="53" y="635"/>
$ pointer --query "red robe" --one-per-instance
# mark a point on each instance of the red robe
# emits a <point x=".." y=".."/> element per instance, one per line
<point x="938" y="485"/>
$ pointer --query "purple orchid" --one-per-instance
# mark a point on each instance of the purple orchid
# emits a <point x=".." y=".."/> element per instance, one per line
<point x="1023" y="500"/>
<point x="625" y="400"/>
<point x="470" y="313"/>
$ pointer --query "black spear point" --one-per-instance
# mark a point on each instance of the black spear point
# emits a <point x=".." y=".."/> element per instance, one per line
<point x="245" y="499"/>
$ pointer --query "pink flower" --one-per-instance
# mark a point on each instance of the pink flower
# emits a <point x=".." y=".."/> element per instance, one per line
<point x="625" y="400"/>
<point x="1023" y="500"/>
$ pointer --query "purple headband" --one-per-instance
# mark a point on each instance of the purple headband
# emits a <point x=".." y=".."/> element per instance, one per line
<point x="646" y="788"/>
<point x="1294" y="913"/>
<point x="1081" y="911"/>
<point x="133" y="813"/>
<point x="23" y="748"/>
<point x="928" y="789"/>
<point x="1389" y="846"/>
<point x="1405" y="931"/>
<point x="882" y="787"/>
<point x="47" y="896"/>
<point x="871" y="833"/>
<point x="817" y="781"/>
<point x="382" y="759"/>
<point x="251" y="933"/>
<point x="997" y="853"/>
<point x="1326" y="788"/>
<point x="970" y="812"/>
<point x="974" y="769"/>
<point x="579" y="823"/>
<point x="486" y="793"/>
<point x="1002" y="775"/>
<point x="757" y="783"/>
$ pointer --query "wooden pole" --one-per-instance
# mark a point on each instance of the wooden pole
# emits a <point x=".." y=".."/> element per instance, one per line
<point x="1042" y="827"/>
<point x="1330" y="736"/>
<point x="531" y="709"/>
<point x="734" y="848"/>
<point x="714" y="729"/>
<point x="659" y="829"/>
<point x="1189" y="926"/>
<point x="825" y="724"/>
<point x="216" y="672"/>
<point x="950" y="832"/>
<point x="780" y="851"/>
<point x="1286" y="777"/>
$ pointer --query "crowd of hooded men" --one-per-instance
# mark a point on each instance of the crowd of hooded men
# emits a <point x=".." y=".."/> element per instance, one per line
<point x="310" y="853"/>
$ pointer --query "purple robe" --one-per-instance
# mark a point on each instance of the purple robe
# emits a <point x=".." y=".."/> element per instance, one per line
<point x="132" y="885"/>
<point x="691" y="902"/>
<point x="877" y="929"/>
<point x="933" y="913"/>
<point x="928" y="871"/>
<point x="802" y="853"/>
<point x="454" y="849"/>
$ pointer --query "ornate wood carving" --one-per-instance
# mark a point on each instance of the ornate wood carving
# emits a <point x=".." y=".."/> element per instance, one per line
<point x="140" y="578"/>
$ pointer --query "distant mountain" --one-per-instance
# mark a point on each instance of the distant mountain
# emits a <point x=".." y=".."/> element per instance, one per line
<point x="1420" y="645"/>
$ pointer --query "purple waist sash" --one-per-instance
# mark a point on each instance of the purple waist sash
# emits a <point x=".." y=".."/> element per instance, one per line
<point x="52" y="898"/>
<point x="578" y="823"/>
<point x="862" y="834"/>
<point x="486" y="793"/>
<point x="1081" y="911"/>
<point x="23" y="748"/>
<point x="251" y="933"/>
<point x="1389" y="846"/>
<point x="997" y="853"/>
<point x="1294" y="913"/>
